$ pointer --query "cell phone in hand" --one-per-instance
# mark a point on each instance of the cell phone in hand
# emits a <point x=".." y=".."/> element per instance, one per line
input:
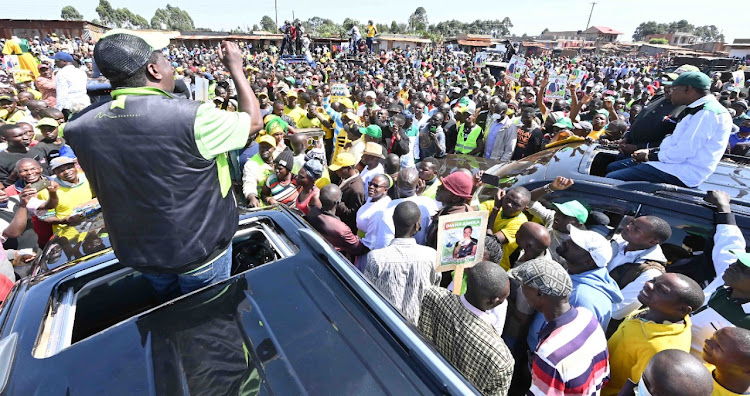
<point x="40" y="185"/>
<point x="491" y="179"/>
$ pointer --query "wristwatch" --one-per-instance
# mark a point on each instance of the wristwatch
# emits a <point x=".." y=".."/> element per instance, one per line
<point x="548" y="189"/>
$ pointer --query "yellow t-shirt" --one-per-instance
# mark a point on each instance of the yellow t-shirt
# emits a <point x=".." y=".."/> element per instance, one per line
<point x="295" y="114"/>
<point x="68" y="199"/>
<point x="371" y="31"/>
<point x="509" y="227"/>
<point x="718" y="389"/>
<point x="305" y="122"/>
<point x="14" y="118"/>
<point x="596" y="134"/>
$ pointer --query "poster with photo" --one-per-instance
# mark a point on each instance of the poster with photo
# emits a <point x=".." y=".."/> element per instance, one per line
<point x="556" y="87"/>
<point x="460" y="241"/>
<point x="576" y="77"/>
<point x="201" y="89"/>
<point x="516" y="68"/>
<point x="738" y="78"/>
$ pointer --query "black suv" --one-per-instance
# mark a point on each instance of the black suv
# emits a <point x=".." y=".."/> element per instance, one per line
<point x="295" y="318"/>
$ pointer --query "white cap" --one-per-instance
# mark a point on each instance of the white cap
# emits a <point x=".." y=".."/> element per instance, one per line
<point x="597" y="245"/>
<point x="370" y="94"/>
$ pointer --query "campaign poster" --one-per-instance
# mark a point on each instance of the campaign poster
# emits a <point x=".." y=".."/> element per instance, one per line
<point x="201" y="89"/>
<point x="556" y="87"/>
<point x="576" y="77"/>
<point x="461" y="240"/>
<point x="738" y="78"/>
<point x="11" y="62"/>
<point x="516" y="68"/>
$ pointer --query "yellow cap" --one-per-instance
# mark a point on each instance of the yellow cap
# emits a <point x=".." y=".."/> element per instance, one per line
<point x="266" y="139"/>
<point x="342" y="160"/>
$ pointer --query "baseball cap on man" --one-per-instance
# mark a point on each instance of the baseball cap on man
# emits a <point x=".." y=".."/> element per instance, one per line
<point x="60" y="161"/>
<point x="372" y="130"/>
<point x="742" y="256"/>
<point x="573" y="209"/>
<point x="121" y="52"/>
<point x="693" y="79"/>
<point x="342" y="160"/>
<point x="268" y="139"/>
<point x="564" y="123"/>
<point x="594" y="243"/>
<point x="547" y="276"/>
<point x="47" y="121"/>
<point x="63" y="56"/>
<point x="676" y="73"/>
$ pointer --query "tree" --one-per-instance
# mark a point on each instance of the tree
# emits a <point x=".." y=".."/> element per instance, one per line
<point x="255" y="27"/>
<point x="69" y="13"/>
<point x="267" y="24"/>
<point x="394" y="27"/>
<point x="107" y="14"/>
<point x="658" y="41"/>
<point x="173" y="18"/>
<point x="382" y="27"/>
<point x="648" y="28"/>
<point x="418" y="20"/>
<point x="709" y="33"/>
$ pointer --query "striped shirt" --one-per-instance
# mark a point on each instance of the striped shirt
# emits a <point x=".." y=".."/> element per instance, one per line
<point x="572" y="356"/>
<point x="285" y="194"/>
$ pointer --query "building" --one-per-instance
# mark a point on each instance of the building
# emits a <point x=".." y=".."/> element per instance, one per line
<point x="740" y="48"/>
<point x="714" y="47"/>
<point x="666" y="50"/>
<point x="393" y="41"/>
<point x="676" y="38"/>
<point x="30" y="28"/>
<point x="594" y="34"/>
<point x="259" y="39"/>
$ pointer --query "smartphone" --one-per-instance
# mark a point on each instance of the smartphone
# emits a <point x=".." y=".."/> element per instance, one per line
<point x="40" y="185"/>
<point x="491" y="179"/>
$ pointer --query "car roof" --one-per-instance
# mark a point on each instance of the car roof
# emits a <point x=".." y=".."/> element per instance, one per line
<point x="290" y="327"/>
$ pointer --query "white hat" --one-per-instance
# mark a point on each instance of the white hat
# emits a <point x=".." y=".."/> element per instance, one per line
<point x="597" y="246"/>
<point x="370" y="94"/>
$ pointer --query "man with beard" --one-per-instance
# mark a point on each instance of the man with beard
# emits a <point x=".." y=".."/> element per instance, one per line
<point x="18" y="147"/>
<point x="257" y="169"/>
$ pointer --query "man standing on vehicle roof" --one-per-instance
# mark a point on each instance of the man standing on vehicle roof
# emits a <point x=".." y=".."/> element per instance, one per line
<point x="167" y="201"/>
<point x="690" y="155"/>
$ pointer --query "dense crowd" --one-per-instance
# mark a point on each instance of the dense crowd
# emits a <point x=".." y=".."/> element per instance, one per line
<point x="556" y="306"/>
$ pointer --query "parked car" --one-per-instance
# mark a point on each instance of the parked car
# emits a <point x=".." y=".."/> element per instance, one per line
<point x="294" y="318"/>
<point x="691" y="219"/>
<point x="588" y="162"/>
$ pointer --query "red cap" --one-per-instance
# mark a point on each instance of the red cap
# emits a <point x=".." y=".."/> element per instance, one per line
<point x="458" y="183"/>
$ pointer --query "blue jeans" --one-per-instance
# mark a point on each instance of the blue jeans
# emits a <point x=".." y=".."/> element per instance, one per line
<point x="167" y="284"/>
<point x="644" y="172"/>
<point x="621" y="164"/>
<point x="369" y="44"/>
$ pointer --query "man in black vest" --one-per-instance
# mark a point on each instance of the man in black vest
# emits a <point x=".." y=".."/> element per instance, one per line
<point x="157" y="163"/>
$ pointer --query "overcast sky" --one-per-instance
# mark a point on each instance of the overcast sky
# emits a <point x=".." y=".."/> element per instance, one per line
<point x="624" y="16"/>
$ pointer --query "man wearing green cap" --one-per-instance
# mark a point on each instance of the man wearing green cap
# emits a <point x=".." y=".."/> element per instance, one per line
<point x="160" y="172"/>
<point x="690" y="155"/>
<point x="728" y="296"/>
<point x="557" y="219"/>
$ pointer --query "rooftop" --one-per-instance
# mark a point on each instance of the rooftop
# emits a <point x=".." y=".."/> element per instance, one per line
<point x="602" y="29"/>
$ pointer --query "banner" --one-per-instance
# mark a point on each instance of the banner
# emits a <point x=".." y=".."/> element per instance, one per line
<point x="556" y="87"/>
<point x="460" y="242"/>
<point x="516" y="68"/>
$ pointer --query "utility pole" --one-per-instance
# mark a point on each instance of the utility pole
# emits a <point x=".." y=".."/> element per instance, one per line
<point x="590" y="13"/>
<point x="293" y="18"/>
<point x="276" y="7"/>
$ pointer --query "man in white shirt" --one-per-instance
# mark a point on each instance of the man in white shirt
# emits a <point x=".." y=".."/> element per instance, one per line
<point x="371" y="157"/>
<point x="70" y="83"/>
<point x="501" y="135"/>
<point x="636" y="259"/>
<point x="690" y="155"/>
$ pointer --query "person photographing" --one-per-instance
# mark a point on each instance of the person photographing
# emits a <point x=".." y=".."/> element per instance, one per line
<point x="160" y="170"/>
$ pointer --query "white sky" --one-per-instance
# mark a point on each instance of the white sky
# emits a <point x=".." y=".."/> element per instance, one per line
<point x="527" y="18"/>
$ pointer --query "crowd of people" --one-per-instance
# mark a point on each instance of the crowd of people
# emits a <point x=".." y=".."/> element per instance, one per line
<point x="556" y="306"/>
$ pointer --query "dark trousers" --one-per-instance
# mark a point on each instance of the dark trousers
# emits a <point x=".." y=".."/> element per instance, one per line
<point x="369" y="44"/>
<point x="642" y="172"/>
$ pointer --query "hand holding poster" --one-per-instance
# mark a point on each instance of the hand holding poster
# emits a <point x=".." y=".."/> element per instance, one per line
<point x="556" y="87"/>
<point x="516" y="68"/>
<point x="460" y="242"/>
<point x="738" y="78"/>
<point x="576" y="77"/>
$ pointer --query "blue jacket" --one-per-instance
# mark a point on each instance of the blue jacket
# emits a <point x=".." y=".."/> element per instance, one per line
<point x="594" y="290"/>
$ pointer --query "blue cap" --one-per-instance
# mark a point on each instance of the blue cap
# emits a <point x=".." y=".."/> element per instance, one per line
<point x="208" y="76"/>
<point x="63" y="56"/>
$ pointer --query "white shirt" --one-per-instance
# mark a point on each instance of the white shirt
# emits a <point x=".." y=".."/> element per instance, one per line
<point x="367" y="173"/>
<point x="495" y="316"/>
<point x="384" y="228"/>
<point x="630" y="292"/>
<point x="70" y="83"/>
<point x="367" y="216"/>
<point x="697" y="144"/>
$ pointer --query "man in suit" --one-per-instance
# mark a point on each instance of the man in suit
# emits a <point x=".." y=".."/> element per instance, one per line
<point x="352" y="189"/>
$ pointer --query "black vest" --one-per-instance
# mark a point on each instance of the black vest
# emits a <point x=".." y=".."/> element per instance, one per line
<point x="160" y="198"/>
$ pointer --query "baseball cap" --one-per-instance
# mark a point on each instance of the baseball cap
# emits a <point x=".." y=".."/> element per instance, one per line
<point x="742" y="256"/>
<point x="741" y="103"/>
<point x="314" y="168"/>
<point x="121" y="52"/>
<point x="573" y="209"/>
<point x="43" y="66"/>
<point x="459" y="184"/>
<point x="6" y="97"/>
<point x="60" y="161"/>
<point x="564" y="122"/>
<point x="676" y="73"/>
<point x="583" y="125"/>
<point x="370" y="94"/>
<point x="342" y="160"/>
<point x="373" y="149"/>
<point x="292" y="93"/>
<point x="262" y="94"/>
<point x="266" y="139"/>
<point x="372" y="130"/>
<point x="693" y="79"/>
<point x="594" y="243"/>
<point x="47" y="121"/>
<point x="63" y="56"/>
<point x="547" y="276"/>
